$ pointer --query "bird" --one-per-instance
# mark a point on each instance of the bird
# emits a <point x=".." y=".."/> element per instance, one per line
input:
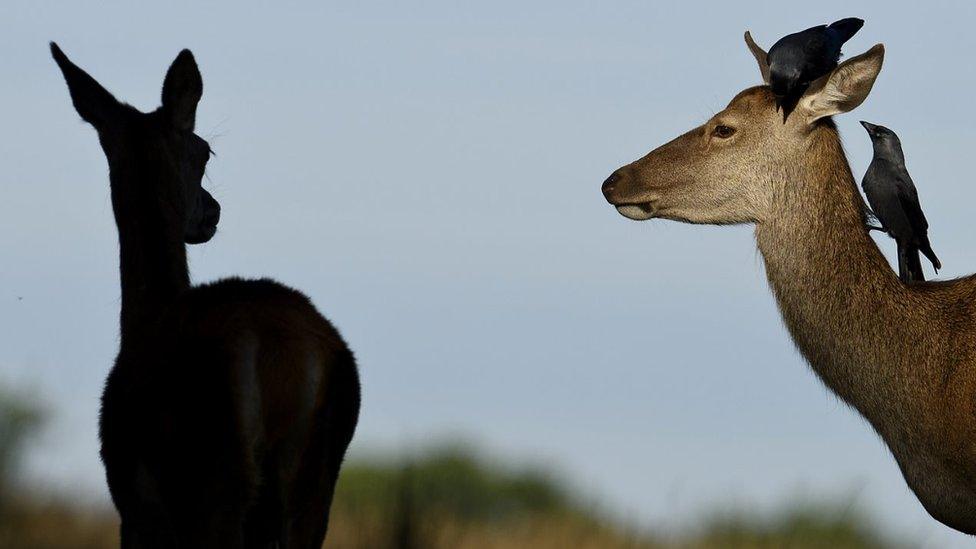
<point x="796" y="60"/>
<point x="894" y="200"/>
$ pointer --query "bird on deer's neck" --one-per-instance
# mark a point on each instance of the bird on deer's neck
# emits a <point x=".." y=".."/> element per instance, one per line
<point x="894" y="201"/>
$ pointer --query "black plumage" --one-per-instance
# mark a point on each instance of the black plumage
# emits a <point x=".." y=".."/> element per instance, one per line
<point x="894" y="200"/>
<point x="797" y="59"/>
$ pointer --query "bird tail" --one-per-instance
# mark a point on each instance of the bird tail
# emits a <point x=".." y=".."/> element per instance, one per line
<point x="926" y="249"/>
<point x="846" y="28"/>
<point x="909" y="264"/>
<point x="915" y="265"/>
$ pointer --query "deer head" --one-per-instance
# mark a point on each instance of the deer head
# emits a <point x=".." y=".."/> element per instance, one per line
<point x="156" y="162"/>
<point x="731" y="169"/>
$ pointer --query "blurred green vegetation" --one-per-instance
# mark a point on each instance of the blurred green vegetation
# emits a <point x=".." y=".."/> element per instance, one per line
<point x="19" y="420"/>
<point x="451" y="478"/>
<point x="445" y="496"/>
<point x="450" y="496"/>
<point x="802" y="525"/>
<point x="442" y="496"/>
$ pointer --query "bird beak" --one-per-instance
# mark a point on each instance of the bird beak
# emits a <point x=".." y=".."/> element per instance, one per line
<point x="871" y="128"/>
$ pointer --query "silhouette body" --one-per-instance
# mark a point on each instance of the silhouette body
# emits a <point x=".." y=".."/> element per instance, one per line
<point x="230" y="405"/>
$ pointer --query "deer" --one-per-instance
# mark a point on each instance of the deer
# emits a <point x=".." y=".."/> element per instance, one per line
<point x="902" y="355"/>
<point x="230" y="406"/>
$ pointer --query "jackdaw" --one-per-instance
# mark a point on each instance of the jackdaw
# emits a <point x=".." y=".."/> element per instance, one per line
<point x="894" y="201"/>
<point x="798" y="59"/>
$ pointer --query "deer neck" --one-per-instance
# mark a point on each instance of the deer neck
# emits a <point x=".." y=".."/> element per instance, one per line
<point x="153" y="266"/>
<point x="838" y="296"/>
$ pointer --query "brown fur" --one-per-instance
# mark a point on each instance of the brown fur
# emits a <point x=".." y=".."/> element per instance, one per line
<point x="903" y="355"/>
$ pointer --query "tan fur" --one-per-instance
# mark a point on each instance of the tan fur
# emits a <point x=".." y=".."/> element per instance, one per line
<point x="903" y="356"/>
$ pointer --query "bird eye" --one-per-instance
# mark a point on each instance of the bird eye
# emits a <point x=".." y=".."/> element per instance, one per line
<point x="723" y="132"/>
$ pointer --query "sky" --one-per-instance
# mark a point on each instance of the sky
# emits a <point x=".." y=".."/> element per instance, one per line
<point x="429" y="173"/>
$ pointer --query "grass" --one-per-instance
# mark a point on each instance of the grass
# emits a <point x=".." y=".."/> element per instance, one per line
<point x="450" y="497"/>
<point x="44" y="523"/>
<point x="447" y="496"/>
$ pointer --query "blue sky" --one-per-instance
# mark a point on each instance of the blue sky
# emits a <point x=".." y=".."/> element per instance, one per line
<point x="429" y="174"/>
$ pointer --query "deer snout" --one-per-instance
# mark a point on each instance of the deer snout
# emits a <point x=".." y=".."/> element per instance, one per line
<point x="620" y="192"/>
<point x="609" y="186"/>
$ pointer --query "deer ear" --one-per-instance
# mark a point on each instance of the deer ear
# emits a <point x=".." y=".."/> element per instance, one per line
<point x="93" y="102"/>
<point x="845" y="87"/>
<point x="760" y="55"/>
<point x="182" y="90"/>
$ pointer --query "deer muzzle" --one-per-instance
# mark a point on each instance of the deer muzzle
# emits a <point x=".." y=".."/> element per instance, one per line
<point x="615" y="191"/>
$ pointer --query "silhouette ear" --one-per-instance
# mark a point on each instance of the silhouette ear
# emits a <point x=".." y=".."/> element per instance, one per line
<point x="93" y="102"/>
<point x="845" y="87"/>
<point x="760" y="55"/>
<point x="182" y="90"/>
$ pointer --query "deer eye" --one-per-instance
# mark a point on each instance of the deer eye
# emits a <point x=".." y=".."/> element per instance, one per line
<point x="723" y="132"/>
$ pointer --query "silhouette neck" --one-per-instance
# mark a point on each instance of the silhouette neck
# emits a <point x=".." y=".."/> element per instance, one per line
<point x="152" y="253"/>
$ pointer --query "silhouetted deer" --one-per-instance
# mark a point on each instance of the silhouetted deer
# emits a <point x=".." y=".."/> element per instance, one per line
<point x="231" y="404"/>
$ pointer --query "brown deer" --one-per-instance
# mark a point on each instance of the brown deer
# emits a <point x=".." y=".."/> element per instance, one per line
<point x="903" y="355"/>
<point x="231" y="404"/>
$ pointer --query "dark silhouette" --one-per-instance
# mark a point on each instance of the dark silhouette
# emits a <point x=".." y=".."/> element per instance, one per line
<point x="228" y="412"/>
<point x="894" y="201"/>
<point x="797" y="59"/>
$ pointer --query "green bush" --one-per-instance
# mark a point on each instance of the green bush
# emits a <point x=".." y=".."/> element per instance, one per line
<point x="19" y="420"/>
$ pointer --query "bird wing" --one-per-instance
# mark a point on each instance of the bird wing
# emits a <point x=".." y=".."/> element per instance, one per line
<point x="908" y="197"/>
<point x="820" y="55"/>
<point x="882" y="195"/>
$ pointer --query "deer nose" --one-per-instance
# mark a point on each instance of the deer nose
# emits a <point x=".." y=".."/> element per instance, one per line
<point x="610" y="184"/>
